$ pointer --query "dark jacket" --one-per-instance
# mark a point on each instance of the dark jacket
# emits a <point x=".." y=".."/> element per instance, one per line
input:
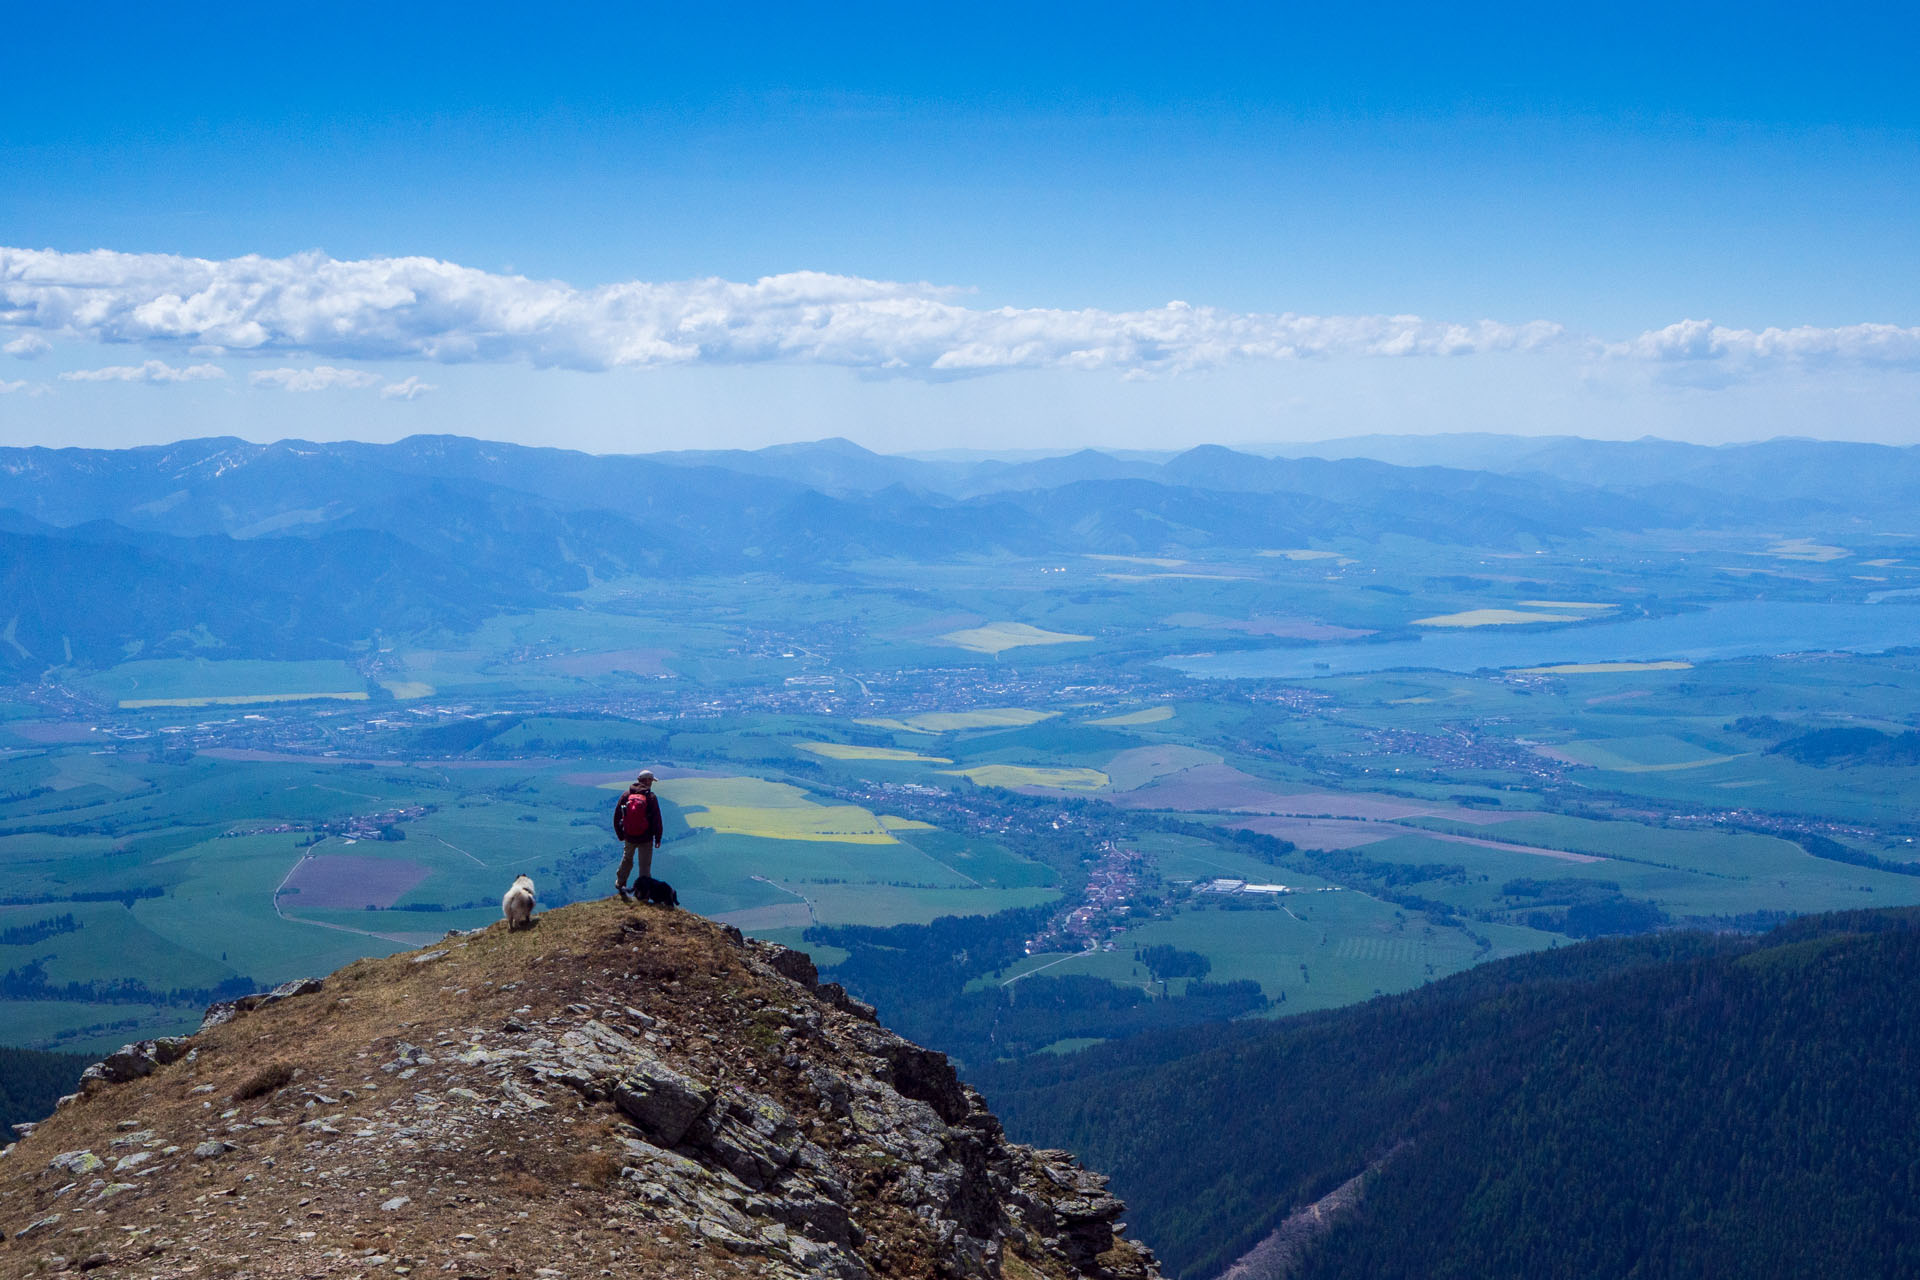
<point x="654" y="826"/>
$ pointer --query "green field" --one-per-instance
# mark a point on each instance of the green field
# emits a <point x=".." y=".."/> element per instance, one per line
<point x="1314" y="950"/>
<point x="1025" y="775"/>
<point x="1132" y="719"/>
<point x="853" y="750"/>
<point x="220" y="916"/>
<point x="1138" y="766"/>
<point x="1651" y="754"/>
<point x="889" y="904"/>
<point x="1687" y="873"/>
<point x="88" y="1028"/>
<point x="980" y="862"/>
<point x="188" y="682"/>
<point x="1604" y="668"/>
<point x="566" y="735"/>
<point x="1492" y="618"/>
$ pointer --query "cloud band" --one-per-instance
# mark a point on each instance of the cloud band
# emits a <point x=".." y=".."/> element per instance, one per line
<point x="1697" y="340"/>
<point x="424" y="309"/>
<point x="421" y="308"/>
<point x="156" y="371"/>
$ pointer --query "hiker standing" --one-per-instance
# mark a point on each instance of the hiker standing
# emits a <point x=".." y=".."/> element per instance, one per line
<point x="637" y="822"/>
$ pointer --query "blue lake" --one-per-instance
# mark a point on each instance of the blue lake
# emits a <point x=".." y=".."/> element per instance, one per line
<point x="1736" y="630"/>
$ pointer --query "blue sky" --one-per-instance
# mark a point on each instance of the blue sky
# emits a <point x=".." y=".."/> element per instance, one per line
<point x="1400" y="220"/>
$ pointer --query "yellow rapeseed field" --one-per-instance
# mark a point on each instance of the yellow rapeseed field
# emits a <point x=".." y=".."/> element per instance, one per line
<point x="238" y="700"/>
<point x="849" y="751"/>
<point x="1805" y="549"/>
<point x="1020" y="775"/>
<point x="769" y="810"/>
<point x="951" y="721"/>
<point x="998" y="637"/>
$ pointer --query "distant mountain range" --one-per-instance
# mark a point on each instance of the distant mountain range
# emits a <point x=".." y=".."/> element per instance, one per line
<point x="296" y="549"/>
<point x="1829" y="474"/>
<point x="1811" y="475"/>
<point x="1671" y="1105"/>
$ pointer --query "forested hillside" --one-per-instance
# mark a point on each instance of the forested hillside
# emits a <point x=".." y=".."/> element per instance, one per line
<point x="31" y="1082"/>
<point x="1681" y="1104"/>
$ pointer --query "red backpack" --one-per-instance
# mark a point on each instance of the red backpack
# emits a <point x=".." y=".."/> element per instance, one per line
<point x="630" y="819"/>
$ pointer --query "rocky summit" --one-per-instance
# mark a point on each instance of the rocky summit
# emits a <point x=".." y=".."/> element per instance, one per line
<point x="617" y="1091"/>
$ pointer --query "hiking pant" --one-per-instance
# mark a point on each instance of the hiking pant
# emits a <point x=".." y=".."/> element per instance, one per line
<point x="641" y="850"/>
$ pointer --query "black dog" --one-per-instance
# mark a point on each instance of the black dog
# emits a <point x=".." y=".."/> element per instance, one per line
<point x="657" y="892"/>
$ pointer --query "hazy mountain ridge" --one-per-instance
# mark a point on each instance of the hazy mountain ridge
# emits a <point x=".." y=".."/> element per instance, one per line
<point x="455" y="529"/>
<point x="239" y="483"/>
<point x="98" y="593"/>
<point x="1829" y="474"/>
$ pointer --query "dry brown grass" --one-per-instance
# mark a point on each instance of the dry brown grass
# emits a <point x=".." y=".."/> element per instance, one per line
<point x="679" y="967"/>
<point x="264" y="1081"/>
<point x="594" y="1169"/>
<point x="478" y="1188"/>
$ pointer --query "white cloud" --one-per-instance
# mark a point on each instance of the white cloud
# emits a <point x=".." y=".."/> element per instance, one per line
<point x="1884" y="345"/>
<point x="151" y="371"/>
<point x="410" y="388"/>
<point x="326" y="377"/>
<point x="319" y="378"/>
<point x="311" y="305"/>
<point x="28" y="346"/>
<point x="420" y="308"/>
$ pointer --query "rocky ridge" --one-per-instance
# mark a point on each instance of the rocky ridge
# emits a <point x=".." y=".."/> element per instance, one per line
<point x="618" y="1091"/>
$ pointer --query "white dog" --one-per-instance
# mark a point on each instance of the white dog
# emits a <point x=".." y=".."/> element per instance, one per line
<point x="517" y="905"/>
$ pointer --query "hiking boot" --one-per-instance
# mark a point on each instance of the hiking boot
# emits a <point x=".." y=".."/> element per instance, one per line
<point x="625" y="896"/>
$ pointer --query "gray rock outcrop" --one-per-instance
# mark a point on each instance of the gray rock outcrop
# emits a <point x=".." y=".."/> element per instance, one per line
<point x="685" y="1092"/>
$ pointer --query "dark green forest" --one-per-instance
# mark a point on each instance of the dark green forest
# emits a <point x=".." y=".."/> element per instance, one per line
<point x="1825" y="747"/>
<point x="921" y="979"/>
<point x="31" y="1082"/>
<point x="1675" y="1104"/>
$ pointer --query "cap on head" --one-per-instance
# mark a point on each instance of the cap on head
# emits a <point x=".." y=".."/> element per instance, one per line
<point x="646" y="775"/>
